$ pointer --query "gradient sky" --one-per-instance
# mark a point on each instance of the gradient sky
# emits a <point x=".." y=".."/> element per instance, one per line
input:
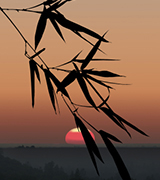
<point x="134" y="32"/>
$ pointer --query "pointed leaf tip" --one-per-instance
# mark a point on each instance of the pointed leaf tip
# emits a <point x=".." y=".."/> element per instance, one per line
<point x="107" y="135"/>
<point x="102" y="73"/>
<point x="117" y="159"/>
<point x="55" y="25"/>
<point x="129" y="124"/>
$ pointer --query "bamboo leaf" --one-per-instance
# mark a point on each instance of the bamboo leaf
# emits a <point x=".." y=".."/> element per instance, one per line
<point x="90" y="143"/>
<point x="40" y="27"/>
<point x="110" y="136"/>
<point x="92" y="53"/>
<point x="68" y="79"/>
<point x="36" y="70"/>
<point x="52" y="19"/>
<point x="114" y="83"/>
<point x="87" y="137"/>
<point x="50" y="88"/>
<point x="82" y="60"/>
<point x="117" y="158"/>
<point x="77" y="33"/>
<point x="49" y="2"/>
<point x="105" y="101"/>
<point x="129" y="124"/>
<point x="58" y="4"/>
<point x="110" y="114"/>
<point x="58" y="84"/>
<point x="102" y="73"/>
<point x="54" y="6"/>
<point x="33" y="71"/>
<point x="32" y="82"/>
<point x="83" y="87"/>
<point x="76" y="27"/>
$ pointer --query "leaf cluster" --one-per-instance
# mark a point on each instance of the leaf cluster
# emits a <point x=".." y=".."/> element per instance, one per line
<point x="84" y="77"/>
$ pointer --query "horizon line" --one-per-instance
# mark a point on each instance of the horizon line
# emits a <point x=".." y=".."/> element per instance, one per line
<point x="49" y="145"/>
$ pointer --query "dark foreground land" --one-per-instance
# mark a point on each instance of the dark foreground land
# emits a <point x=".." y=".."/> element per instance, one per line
<point x="73" y="163"/>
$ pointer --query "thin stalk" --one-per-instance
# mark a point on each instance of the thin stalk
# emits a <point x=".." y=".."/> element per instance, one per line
<point x="45" y="3"/>
<point x="22" y="36"/>
<point x="24" y="10"/>
<point x="80" y="105"/>
<point x="54" y="68"/>
<point x="58" y="69"/>
<point x="35" y="6"/>
<point x="67" y="104"/>
<point x="57" y="102"/>
<point x="14" y="25"/>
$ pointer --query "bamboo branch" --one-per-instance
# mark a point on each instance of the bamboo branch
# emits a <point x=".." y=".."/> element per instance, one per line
<point x="26" y="42"/>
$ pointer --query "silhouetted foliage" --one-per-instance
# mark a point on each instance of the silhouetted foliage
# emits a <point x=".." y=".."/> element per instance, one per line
<point x="52" y="171"/>
<point x="82" y="75"/>
<point x="13" y="170"/>
<point x="76" y="175"/>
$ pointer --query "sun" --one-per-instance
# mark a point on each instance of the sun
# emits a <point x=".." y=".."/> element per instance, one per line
<point x="74" y="136"/>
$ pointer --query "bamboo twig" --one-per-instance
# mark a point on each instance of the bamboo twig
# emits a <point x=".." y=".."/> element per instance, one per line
<point x="23" y="10"/>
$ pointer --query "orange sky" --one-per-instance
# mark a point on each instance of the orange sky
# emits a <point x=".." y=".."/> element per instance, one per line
<point x="134" y="32"/>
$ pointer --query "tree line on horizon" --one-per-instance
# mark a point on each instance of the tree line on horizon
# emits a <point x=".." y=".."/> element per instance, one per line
<point x="11" y="169"/>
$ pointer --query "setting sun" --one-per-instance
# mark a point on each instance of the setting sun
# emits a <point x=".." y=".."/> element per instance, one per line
<point x="74" y="136"/>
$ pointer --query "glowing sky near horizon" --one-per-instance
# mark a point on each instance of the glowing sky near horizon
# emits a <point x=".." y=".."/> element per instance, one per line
<point x="134" y="34"/>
